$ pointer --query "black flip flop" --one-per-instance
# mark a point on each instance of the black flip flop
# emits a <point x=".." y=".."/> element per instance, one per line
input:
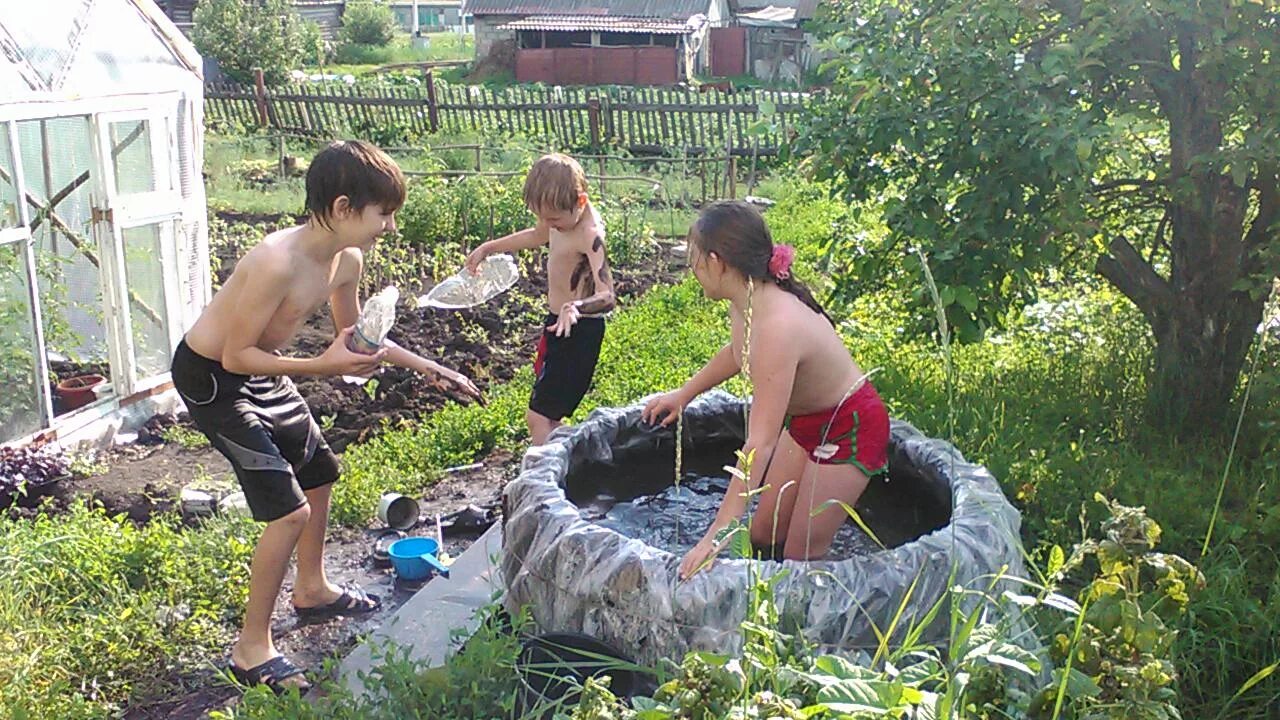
<point x="352" y="601"/>
<point x="270" y="674"/>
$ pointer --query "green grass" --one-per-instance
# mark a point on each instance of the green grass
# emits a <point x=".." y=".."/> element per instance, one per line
<point x="98" y="611"/>
<point x="364" y="60"/>
<point x="242" y="174"/>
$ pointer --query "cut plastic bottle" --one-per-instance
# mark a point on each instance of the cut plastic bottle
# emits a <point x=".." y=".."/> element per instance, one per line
<point x="376" y="319"/>
<point x="496" y="274"/>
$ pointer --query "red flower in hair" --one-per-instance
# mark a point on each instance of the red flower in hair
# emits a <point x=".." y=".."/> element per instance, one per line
<point x="780" y="261"/>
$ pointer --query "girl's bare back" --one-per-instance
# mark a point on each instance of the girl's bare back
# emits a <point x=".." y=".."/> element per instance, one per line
<point x="825" y="372"/>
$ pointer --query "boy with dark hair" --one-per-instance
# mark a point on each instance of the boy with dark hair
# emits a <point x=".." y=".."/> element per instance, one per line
<point x="579" y="288"/>
<point x="235" y="385"/>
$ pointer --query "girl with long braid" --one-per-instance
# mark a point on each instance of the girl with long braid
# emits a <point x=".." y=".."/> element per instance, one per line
<point x="817" y="430"/>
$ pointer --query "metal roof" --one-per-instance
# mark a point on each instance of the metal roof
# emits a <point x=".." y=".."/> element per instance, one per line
<point x="681" y="9"/>
<point x="601" y="24"/>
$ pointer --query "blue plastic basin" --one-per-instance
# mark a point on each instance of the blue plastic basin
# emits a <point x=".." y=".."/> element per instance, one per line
<point x="416" y="558"/>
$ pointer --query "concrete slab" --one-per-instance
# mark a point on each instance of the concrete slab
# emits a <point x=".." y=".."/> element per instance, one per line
<point x="426" y="622"/>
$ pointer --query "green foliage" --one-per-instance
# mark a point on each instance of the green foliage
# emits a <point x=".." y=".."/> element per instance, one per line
<point x="19" y="411"/>
<point x="1123" y="638"/>
<point x="368" y="23"/>
<point x="186" y="437"/>
<point x="98" y="610"/>
<point x="1014" y="148"/>
<point x="361" y="60"/>
<point x="316" y="50"/>
<point x="243" y="36"/>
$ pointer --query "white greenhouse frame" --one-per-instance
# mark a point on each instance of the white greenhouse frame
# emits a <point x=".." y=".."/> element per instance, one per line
<point x="142" y="114"/>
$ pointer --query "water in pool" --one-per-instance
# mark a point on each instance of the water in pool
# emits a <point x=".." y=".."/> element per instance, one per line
<point x="638" y="498"/>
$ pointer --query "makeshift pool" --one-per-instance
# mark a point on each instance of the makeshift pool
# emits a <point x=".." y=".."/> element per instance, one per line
<point x="594" y="529"/>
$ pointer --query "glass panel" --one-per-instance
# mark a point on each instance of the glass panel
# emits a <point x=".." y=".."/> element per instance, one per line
<point x="57" y="159"/>
<point x="20" y="401"/>
<point x="9" y="217"/>
<point x="144" y="276"/>
<point x="131" y="156"/>
<point x="47" y="32"/>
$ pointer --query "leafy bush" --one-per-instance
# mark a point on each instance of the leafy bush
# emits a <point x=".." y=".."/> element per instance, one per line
<point x="316" y="50"/>
<point x="368" y="23"/>
<point x="243" y="36"/>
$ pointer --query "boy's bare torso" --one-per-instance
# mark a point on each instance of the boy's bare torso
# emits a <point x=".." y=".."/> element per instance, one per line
<point x="310" y="282"/>
<point x="569" y="272"/>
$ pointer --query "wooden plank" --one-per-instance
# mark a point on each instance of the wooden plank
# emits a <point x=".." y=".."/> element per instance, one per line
<point x="651" y="121"/>
<point x="668" y="137"/>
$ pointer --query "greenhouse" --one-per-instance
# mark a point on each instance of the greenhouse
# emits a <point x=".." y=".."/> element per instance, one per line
<point x="103" y="244"/>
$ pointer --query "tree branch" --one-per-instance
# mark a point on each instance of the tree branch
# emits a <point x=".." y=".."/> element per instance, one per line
<point x="1122" y="182"/>
<point x="1130" y="274"/>
<point x="1160" y="240"/>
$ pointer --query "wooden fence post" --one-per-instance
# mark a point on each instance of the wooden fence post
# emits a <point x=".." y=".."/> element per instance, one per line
<point x="433" y="111"/>
<point x="260" y="96"/>
<point x="593" y="116"/>
<point x="729" y="164"/>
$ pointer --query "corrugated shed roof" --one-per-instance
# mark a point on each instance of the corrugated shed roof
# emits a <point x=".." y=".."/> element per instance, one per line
<point x="601" y="24"/>
<point x="673" y="9"/>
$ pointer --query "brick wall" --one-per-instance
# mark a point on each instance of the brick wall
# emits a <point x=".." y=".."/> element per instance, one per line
<point x="488" y="34"/>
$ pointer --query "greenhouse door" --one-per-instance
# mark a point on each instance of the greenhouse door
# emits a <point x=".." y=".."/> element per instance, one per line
<point x="137" y="223"/>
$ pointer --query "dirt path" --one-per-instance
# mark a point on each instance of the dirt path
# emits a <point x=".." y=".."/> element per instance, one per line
<point x="348" y="560"/>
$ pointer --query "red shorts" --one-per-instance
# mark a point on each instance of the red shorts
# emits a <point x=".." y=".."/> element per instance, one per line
<point x="855" y="433"/>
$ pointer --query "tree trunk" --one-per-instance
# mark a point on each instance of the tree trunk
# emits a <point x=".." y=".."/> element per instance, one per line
<point x="1205" y="311"/>
<point x="1198" y="360"/>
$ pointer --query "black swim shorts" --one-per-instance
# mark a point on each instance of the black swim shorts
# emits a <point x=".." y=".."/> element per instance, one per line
<point x="564" y="367"/>
<point x="262" y="425"/>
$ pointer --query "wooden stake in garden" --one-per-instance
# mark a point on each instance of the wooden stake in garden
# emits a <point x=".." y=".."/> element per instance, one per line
<point x="260" y="96"/>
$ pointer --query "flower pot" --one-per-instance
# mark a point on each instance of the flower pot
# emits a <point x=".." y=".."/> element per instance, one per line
<point x="78" y="391"/>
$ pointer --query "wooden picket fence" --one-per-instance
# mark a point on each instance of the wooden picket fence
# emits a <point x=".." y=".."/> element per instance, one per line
<point x="645" y="120"/>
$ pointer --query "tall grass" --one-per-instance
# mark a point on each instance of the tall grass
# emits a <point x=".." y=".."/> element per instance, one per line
<point x="97" y="612"/>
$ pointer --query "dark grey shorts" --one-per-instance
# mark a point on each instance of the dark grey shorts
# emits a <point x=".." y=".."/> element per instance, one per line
<point x="264" y="428"/>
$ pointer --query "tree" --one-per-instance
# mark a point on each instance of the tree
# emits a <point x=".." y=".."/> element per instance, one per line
<point x="368" y="23"/>
<point x="247" y="34"/>
<point x="1009" y="140"/>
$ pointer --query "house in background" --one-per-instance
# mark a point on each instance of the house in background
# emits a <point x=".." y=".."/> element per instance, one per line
<point x="325" y="13"/>
<point x="768" y="39"/>
<point x="581" y="42"/>
<point x="433" y="16"/>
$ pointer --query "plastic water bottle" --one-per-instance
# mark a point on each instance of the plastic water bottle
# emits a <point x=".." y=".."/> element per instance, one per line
<point x="376" y="319"/>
